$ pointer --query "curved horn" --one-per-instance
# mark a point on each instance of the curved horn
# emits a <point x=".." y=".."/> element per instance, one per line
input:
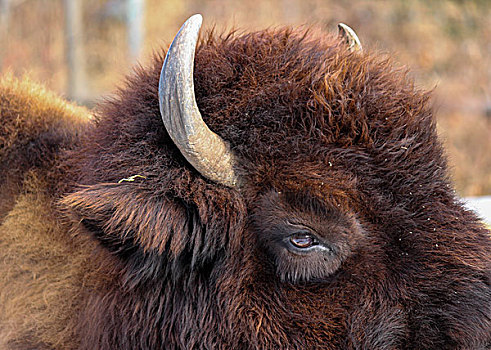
<point x="204" y="149"/>
<point x="350" y="37"/>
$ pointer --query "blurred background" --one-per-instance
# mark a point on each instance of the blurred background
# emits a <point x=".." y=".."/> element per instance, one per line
<point x="83" y="49"/>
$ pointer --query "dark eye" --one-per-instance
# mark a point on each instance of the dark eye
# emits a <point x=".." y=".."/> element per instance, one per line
<point x="302" y="240"/>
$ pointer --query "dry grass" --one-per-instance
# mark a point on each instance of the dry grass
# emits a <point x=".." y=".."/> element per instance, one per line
<point x="446" y="44"/>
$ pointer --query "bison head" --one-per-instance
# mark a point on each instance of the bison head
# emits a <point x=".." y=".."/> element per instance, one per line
<point x="317" y="214"/>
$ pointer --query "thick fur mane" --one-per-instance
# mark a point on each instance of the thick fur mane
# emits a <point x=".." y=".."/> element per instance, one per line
<point x="42" y="268"/>
<point x="36" y="126"/>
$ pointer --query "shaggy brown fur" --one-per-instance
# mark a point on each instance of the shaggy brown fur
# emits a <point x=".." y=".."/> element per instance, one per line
<point x="41" y="268"/>
<point x="35" y="125"/>
<point x="44" y="273"/>
<point x="338" y="143"/>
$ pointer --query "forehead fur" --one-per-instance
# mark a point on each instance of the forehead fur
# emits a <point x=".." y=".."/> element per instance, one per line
<point x="281" y="98"/>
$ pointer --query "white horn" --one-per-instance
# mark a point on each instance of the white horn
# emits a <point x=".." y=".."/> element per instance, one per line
<point x="207" y="152"/>
<point x="350" y="37"/>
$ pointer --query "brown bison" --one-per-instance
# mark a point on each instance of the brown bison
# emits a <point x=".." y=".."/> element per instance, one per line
<point x="290" y="193"/>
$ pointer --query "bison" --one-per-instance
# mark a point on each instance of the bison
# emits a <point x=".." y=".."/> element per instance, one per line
<point x="281" y="189"/>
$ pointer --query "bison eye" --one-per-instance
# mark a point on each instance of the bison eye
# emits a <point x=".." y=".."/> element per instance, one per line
<point x="303" y="240"/>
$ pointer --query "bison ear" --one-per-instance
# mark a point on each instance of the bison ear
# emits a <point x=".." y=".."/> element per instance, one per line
<point x="350" y="37"/>
<point x="123" y="219"/>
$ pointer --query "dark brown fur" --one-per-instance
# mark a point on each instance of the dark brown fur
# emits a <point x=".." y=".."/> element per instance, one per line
<point x="339" y="141"/>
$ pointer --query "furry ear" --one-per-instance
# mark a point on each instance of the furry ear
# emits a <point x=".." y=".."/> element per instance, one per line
<point x="157" y="236"/>
<point x="124" y="218"/>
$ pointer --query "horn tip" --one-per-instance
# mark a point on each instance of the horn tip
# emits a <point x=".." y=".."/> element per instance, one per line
<point x="342" y="26"/>
<point x="196" y="18"/>
<point x="350" y="35"/>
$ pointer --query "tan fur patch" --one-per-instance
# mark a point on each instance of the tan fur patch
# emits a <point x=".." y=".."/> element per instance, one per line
<point x="43" y="277"/>
<point x="28" y="106"/>
<point x="34" y="124"/>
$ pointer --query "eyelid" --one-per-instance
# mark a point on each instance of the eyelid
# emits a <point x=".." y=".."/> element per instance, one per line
<point x="297" y="224"/>
<point x="289" y="222"/>
<point x="300" y="225"/>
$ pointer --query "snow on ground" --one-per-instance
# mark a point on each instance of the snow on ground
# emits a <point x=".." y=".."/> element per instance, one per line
<point x="481" y="205"/>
